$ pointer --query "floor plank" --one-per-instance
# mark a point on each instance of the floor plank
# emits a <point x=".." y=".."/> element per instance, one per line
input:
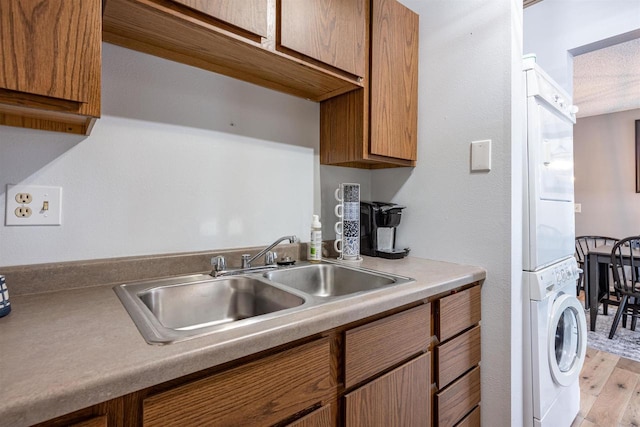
<point x="597" y="368"/>
<point x="629" y="365"/>
<point x="631" y="416"/>
<point x="612" y="401"/>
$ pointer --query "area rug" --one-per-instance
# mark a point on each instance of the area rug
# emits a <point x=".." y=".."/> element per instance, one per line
<point x="625" y="343"/>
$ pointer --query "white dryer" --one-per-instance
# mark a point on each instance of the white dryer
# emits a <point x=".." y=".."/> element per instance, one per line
<point x="548" y="222"/>
<point x="555" y="345"/>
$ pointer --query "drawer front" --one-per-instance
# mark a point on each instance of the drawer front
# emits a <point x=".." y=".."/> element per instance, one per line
<point x="321" y="417"/>
<point x="472" y="419"/>
<point x="398" y="398"/>
<point x="374" y="347"/>
<point x="457" y="356"/>
<point x="264" y="391"/>
<point x="458" y="312"/>
<point x="93" y="422"/>
<point x="454" y="402"/>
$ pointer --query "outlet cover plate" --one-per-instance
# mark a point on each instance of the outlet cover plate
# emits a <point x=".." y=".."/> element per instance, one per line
<point x="481" y="155"/>
<point x="49" y="213"/>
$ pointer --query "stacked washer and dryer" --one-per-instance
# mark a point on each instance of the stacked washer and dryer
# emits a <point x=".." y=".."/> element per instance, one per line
<point x="555" y="328"/>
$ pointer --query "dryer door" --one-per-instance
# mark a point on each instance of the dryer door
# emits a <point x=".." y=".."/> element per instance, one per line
<point x="567" y="339"/>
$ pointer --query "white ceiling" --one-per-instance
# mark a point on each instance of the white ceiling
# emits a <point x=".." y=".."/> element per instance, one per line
<point x="607" y="80"/>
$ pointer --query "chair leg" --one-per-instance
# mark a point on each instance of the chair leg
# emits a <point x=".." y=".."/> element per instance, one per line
<point x="586" y="292"/>
<point x="634" y="316"/>
<point x="616" y="319"/>
<point x="607" y="295"/>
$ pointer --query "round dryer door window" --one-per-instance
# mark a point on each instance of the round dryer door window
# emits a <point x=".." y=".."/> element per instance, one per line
<point x="567" y="339"/>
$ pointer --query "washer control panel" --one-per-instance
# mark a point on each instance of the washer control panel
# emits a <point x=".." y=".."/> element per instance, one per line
<point x="548" y="280"/>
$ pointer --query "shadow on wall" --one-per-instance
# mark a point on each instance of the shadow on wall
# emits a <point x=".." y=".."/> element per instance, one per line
<point x="140" y="86"/>
<point x="387" y="183"/>
<point x="25" y="153"/>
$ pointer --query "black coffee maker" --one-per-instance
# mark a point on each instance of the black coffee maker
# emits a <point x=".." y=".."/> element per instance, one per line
<point x="378" y="222"/>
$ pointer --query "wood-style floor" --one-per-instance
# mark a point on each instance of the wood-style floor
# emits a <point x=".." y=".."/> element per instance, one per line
<point x="609" y="391"/>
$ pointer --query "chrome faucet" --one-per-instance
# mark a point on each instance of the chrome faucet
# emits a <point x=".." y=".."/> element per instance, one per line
<point x="219" y="263"/>
<point x="248" y="259"/>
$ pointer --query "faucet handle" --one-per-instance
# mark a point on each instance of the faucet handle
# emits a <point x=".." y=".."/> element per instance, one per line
<point x="270" y="258"/>
<point x="219" y="263"/>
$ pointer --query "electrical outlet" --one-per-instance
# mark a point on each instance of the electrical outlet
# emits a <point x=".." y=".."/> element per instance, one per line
<point x="24" y="198"/>
<point x="33" y="205"/>
<point x="23" y="212"/>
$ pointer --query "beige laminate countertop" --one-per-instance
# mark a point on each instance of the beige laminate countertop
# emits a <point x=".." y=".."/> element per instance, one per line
<point x="65" y="350"/>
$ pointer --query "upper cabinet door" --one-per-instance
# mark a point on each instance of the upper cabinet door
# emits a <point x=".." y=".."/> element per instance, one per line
<point x="394" y="80"/>
<point x="50" y="47"/>
<point x="332" y="32"/>
<point x="250" y="15"/>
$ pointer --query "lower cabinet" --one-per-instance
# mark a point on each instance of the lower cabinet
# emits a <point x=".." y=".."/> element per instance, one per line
<point x="263" y="392"/>
<point x="321" y="417"/>
<point x="417" y="366"/>
<point x="457" y="359"/>
<point x="399" y="398"/>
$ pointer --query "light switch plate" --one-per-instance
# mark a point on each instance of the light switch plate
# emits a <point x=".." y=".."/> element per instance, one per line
<point x="577" y="208"/>
<point x="481" y="155"/>
<point x="33" y="205"/>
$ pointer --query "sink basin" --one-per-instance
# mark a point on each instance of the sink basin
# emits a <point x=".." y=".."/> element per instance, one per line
<point x="215" y="302"/>
<point x="331" y="280"/>
<point x="174" y="309"/>
<point x="179" y="308"/>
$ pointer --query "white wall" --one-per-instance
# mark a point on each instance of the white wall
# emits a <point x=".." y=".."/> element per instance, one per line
<point x="164" y="169"/>
<point x="552" y="28"/>
<point x="605" y="175"/>
<point x="467" y="92"/>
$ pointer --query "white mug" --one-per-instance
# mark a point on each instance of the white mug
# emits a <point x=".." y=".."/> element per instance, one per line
<point x="336" y="243"/>
<point x="338" y="227"/>
<point x="338" y="210"/>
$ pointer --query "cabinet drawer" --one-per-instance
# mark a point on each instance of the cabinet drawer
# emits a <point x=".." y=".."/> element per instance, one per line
<point x="458" y="399"/>
<point x="321" y="417"/>
<point x="472" y="419"/>
<point x="263" y="392"/>
<point x="457" y="356"/>
<point x="93" y="422"/>
<point x="398" y="398"/>
<point x="458" y="312"/>
<point x="374" y="347"/>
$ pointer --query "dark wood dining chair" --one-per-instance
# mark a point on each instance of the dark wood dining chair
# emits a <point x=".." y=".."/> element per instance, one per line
<point x="583" y="245"/>
<point x="625" y="262"/>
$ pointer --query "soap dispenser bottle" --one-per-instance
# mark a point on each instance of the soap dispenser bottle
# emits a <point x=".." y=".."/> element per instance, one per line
<point x="315" y="243"/>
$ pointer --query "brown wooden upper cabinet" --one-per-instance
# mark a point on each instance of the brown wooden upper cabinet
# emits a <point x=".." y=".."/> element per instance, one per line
<point x="376" y="126"/>
<point x="238" y="39"/>
<point x="331" y="32"/>
<point x="249" y="15"/>
<point x="50" y="64"/>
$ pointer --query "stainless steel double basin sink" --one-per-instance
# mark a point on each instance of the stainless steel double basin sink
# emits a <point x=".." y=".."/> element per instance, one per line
<point x="179" y="308"/>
